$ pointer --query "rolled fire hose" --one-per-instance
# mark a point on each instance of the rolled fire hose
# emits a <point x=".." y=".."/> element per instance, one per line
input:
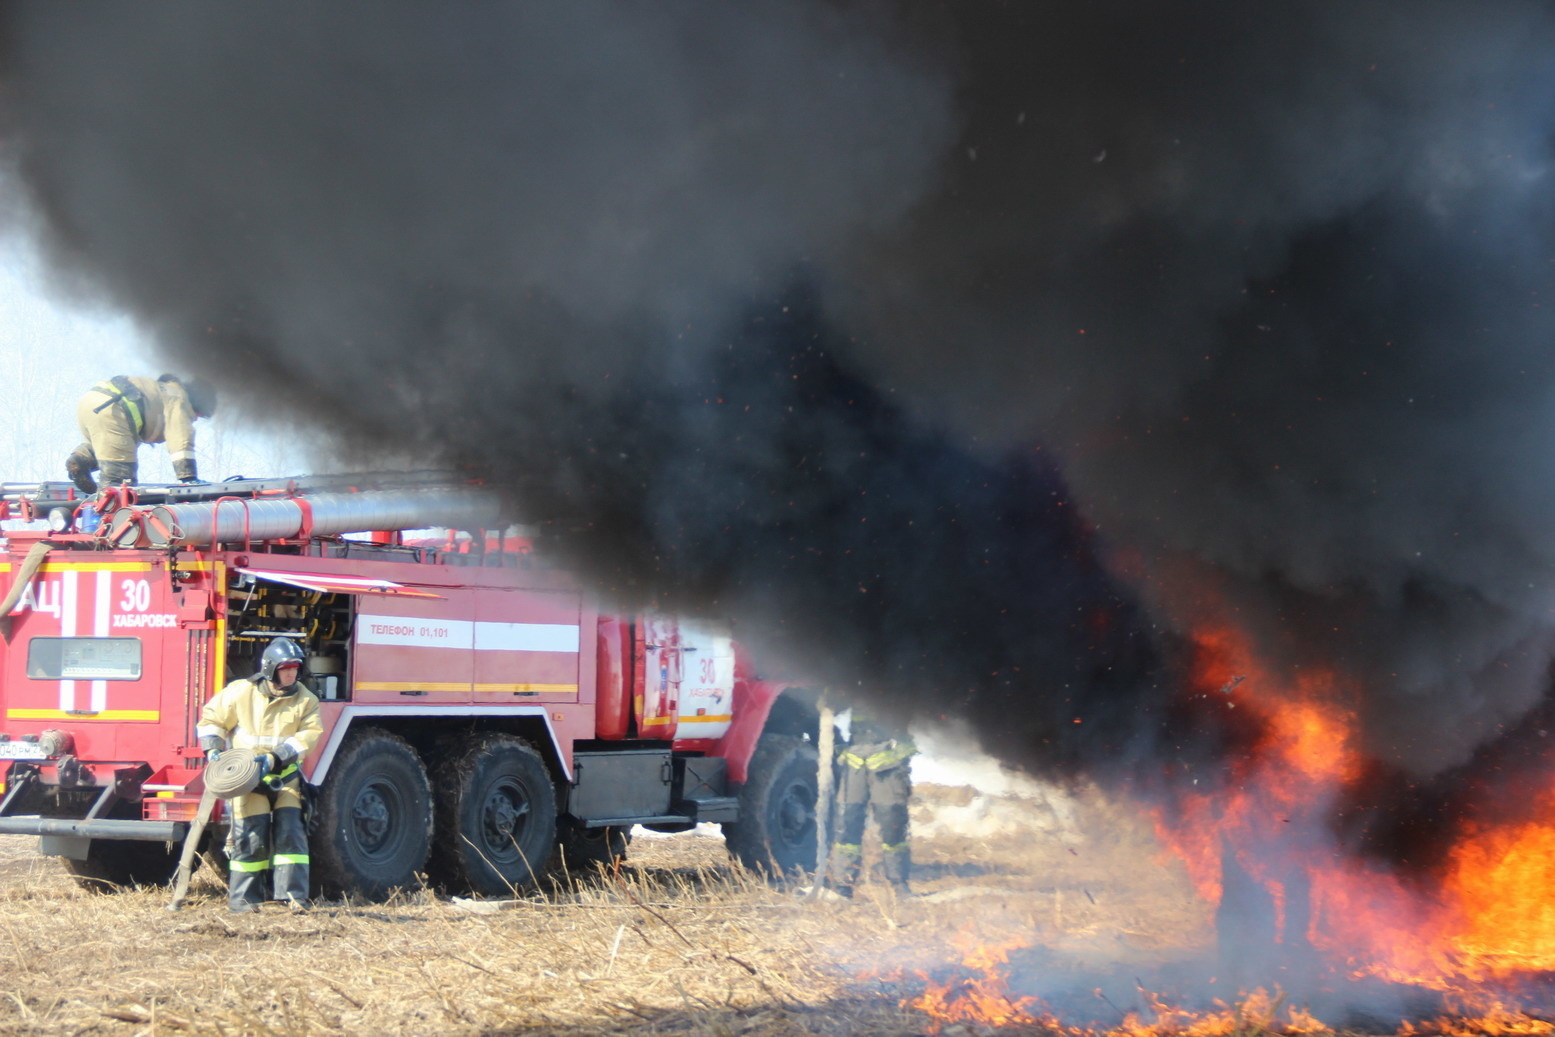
<point x="234" y="773"/>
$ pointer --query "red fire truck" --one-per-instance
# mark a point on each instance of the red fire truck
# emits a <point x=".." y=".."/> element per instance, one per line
<point x="480" y="712"/>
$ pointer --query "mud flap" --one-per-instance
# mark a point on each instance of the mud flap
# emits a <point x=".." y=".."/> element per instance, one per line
<point x="76" y="847"/>
<point x="310" y="806"/>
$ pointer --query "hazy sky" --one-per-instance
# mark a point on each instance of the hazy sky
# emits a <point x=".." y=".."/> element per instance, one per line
<point x="55" y="346"/>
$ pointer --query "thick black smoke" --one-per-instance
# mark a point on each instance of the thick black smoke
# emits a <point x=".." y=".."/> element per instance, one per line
<point x="767" y="308"/>
<point x="1274" y="283"/>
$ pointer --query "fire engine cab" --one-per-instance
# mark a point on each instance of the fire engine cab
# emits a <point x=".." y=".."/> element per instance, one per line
<point x="480" y="712"/>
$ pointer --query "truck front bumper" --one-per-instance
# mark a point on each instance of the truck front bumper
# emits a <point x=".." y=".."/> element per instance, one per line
<point x="96" y="828"/>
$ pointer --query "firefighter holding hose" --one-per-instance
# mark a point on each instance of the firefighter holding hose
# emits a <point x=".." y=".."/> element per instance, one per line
<point x="118" y="415"/>
<point x="273" y="717"/>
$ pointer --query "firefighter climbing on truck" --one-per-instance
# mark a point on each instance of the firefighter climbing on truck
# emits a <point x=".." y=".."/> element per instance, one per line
<point x="118" y="415"/>
<point x="274" y="716"/>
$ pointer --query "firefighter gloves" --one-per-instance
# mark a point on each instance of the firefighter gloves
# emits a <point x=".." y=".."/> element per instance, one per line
<point x="212" y="746"/>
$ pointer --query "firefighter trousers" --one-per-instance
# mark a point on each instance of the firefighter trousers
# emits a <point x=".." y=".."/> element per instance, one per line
<point x="268" y="849"/>
<point x="885" y="793"/>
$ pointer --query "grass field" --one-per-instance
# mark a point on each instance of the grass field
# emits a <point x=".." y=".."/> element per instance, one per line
<point x="679" y="941"/>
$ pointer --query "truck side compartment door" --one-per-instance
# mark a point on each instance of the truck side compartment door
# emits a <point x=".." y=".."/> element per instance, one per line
<point x="414" y="650"/>
<point x="528" y="645"/>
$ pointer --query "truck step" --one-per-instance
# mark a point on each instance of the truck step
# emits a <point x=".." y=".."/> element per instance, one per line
<point x="621" y="822"/>
<point x="712" y="808"/>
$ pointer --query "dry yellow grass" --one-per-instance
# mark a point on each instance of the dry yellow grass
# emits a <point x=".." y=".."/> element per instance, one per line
<point x="679" y="941"/>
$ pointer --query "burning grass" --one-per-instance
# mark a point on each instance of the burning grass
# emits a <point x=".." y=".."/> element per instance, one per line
<point x="680" y="941"/>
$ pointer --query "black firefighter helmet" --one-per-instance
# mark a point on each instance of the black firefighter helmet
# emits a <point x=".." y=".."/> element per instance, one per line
<point x="200" y="393"/>
<point x="282" y="651"/>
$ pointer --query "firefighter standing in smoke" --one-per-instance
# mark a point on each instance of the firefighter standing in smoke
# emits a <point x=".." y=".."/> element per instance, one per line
<point x="118" y="415"/>
<point x="875" y="773"/>
<point x="275" y="716"/>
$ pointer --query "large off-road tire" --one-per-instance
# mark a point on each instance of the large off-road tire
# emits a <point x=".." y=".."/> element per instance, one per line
<point x="776" y="832"/>
<point x="114" y="864"/>
<point x="582" y="850"/>
<point x="375" y="819"/>
<point x="496" y="817"/>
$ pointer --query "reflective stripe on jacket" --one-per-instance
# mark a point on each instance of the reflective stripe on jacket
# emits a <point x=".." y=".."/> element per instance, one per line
<point x="878" y="756"/>
<point x="248" y="718"/>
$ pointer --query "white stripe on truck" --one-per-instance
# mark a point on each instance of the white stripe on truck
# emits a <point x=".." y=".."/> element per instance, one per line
<point x="462" y="634"/>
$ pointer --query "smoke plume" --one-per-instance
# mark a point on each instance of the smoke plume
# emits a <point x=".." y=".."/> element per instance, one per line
<point x="959" y="350"/>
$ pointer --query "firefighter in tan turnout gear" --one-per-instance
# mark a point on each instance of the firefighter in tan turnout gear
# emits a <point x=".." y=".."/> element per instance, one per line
<point x="118" y="415"/>
<point x="876" y="774"/>
<point x="274" y="716"/>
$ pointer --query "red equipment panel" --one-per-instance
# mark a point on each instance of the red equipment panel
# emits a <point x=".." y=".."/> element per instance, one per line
<point x="528" y="646"/>
<point x="415" y="649"/>
<point x="97" y="651"/>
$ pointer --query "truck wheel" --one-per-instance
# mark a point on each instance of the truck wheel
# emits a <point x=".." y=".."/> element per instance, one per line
<point x="496" y="811"/>
<point x="375" y="819"/>
<point x="584" y="849"/>
<point x="115" y="864"/>
<point x="776" y="830"/>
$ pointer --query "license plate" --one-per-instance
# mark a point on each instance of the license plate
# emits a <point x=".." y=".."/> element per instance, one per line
<point x="21" y="751"/>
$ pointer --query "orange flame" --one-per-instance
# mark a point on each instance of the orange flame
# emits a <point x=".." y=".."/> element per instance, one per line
<point x="1486" y="927"/>
<point x="1492" y="916"/>
<point x="1501" y="881"/>
<point x="983" y="997"/>
<point x="1258" y="1012"/>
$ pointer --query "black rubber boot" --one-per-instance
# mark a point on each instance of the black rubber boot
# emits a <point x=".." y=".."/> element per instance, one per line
<point x="248" y="876"/>
<point x="290" y="862"/>
<point x="79" y="466"/>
